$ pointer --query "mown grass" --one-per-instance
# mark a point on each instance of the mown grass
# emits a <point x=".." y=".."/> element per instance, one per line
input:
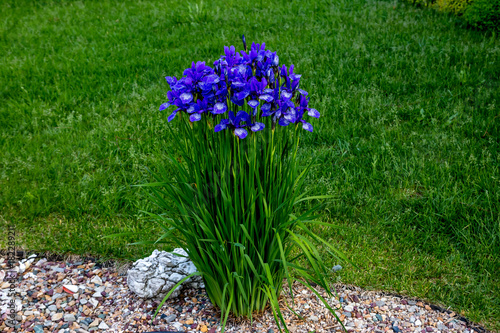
<point x="408" y="142"/>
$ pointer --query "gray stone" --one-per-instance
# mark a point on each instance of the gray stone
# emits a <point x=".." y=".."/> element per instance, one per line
<point x="69" y="317"/>
<point x="52" y="308"/>
<point x="38" y="329"/>
<point x="170" y="318"/>
<point x="56" y="296"/>
<point x="103" y="326"/>
<point x="380" y="303"/>
<point x="156" y="275"/>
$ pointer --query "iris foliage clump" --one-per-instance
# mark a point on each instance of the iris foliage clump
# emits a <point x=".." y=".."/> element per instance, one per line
<point x="237" y="181"/>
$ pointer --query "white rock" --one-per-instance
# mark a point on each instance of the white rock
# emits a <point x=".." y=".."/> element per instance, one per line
<point x="94" y="302"/>
<point x="418" y="323"/>
<point x="156" y="275"/>
<point x="71" y="288"/>
<point x="103" y="326"/>
<point x="98" y="291"/>
<point x="41" y="261"/>
<point x="349" y="308"/>
<point x="96" y="279"/>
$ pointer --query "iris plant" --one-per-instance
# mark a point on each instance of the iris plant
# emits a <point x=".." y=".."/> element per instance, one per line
<point x="231" y="201"/>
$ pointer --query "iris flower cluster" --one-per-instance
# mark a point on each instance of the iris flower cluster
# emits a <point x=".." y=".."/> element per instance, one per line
<point x="238" y="79"/>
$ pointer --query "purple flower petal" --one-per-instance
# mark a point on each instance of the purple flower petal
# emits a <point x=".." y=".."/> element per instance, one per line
<point x="303" y="92"/>
<point x="267" y="98"/>
<point x="172" y="116"/>
<point x="307" y="126"/>
<point x="266" y="113"/>
<point x="286" y="94"/>
<point x="313" y="113"/>
<point x="211" y="79"/>
<point x="283" y="122"/>
<point x="237" y="84"/>
<point x="242" y="116"/>
<point x="195" y="117"/>
<point x="186" y="97"/>
<point x="171" y="80"/>
<point x="220" y="127"/>
<point x="290" y="117"/>
<point x="219" y="108"/>
<point x="253" y="103"/>
<point x="242" y="94"/>
<point x="266" y="107"/>
<point x="241" y="133"/>
<point x="276" y="60"/>
<point x="257" y="127"/>
<point x="236" y="101"/>
<point x="164" y="106"/>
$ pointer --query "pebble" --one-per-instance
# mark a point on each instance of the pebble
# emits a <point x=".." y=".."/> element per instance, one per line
<point x="170" y="318"/>
<point x="94" y="323"/>
<point x="96" y="280"/>
<point x="56" y="316"/>
<point x="103" y="326"/>
<point x="69" y="317"/>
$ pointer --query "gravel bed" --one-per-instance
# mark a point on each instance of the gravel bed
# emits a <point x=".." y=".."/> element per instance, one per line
<point x="85" y="296"/>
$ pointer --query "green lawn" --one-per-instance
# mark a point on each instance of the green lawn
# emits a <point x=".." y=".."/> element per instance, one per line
<point x="408" y="142"/>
